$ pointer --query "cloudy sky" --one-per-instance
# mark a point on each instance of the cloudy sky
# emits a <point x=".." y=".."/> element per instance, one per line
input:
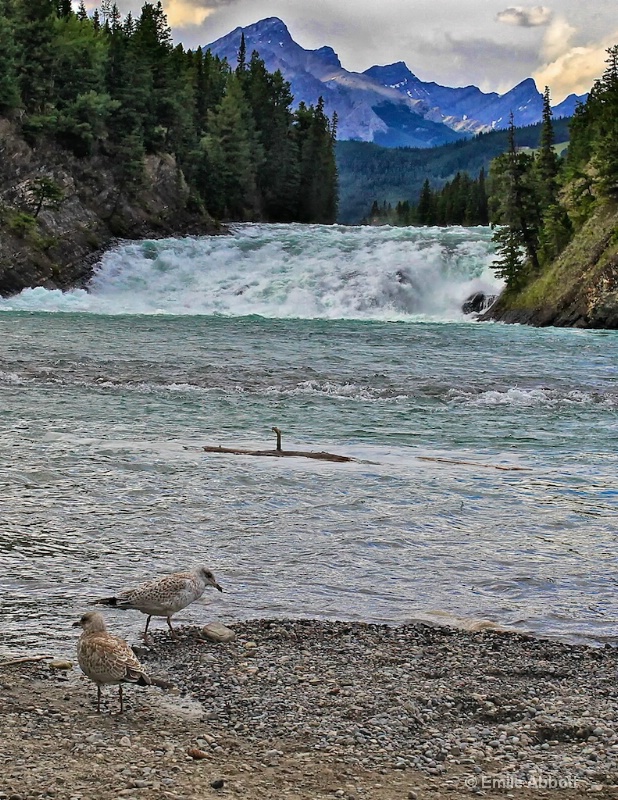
<point x="455" y="42"/>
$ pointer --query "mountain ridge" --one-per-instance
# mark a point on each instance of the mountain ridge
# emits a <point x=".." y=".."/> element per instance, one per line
<point x="387" y="105"/>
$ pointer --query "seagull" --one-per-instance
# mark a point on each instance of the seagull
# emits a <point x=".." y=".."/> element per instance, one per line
<point x="106" y="659"/>
<point x="164" y="596"/>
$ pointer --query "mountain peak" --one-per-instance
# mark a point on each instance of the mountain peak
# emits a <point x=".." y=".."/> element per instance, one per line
<point x="328" y="55"/>
<point x="385" y="104"/>
<point x="269" y="23"/>
<point x="266" y="29"/>
<point x="395" y="73"/>
<point x="528" y="84"/>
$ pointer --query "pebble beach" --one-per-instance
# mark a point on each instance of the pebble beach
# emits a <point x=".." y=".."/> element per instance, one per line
<point x="317" y="709"/>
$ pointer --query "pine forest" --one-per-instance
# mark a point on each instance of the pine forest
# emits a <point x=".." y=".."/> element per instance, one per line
<point x="101" y="85"/>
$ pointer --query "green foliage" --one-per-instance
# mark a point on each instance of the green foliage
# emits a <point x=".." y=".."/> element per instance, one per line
<point x="233" y="149"/>
<point x="315" y="136"/>
<point x="462" y="201"/>
<point x="34" y="41"/>
<point x="605" y="148"/>
<point x="514" y="205"/>
<point x="45" y="193"/>
<point x="367" y="171"/>
<point x="510" y="261"/>
<point x="538" y="201"/>
<point x="21" y="224"/>
<point x="100" y="85"/>
<point x="593" y="155"/>
<point x="9" y="87"/>
<point x="547" y="162"/>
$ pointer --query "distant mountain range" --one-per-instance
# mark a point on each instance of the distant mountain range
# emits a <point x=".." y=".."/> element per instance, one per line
<point x="387" y="105"/>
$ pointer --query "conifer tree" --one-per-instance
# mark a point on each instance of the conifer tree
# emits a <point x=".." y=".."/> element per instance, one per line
<point x="9" y="88"/>
<point x="233" y="151"/>
<point x="606" y="146"/>
<point x="547" y="163"/>
<point x="425" y="209"/>
<point x="34" y="40"/>
<point x="318" y="169"/>
<point x="516" y="213"/>
<point x="242" y="56"/>
<point x="64" y="9"/>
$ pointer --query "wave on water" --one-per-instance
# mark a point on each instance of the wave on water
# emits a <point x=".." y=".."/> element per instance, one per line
<point x="287" y="271"/>
<point x="532" y="398"/>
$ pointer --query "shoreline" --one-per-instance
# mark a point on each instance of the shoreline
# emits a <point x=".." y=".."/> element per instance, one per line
<point x="310" y="708"/>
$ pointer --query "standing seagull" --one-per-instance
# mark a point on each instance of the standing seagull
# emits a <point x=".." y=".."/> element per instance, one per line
<point x="106" y="659"/>
<point x="164" y="596"/>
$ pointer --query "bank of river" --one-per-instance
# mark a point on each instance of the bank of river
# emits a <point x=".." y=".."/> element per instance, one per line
<point x="310" y="709"/>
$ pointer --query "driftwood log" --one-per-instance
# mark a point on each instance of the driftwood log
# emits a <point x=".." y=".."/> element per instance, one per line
<point x="278" y="452"/>
<point x="471" y="463"/>
<point x="23" y="660"/>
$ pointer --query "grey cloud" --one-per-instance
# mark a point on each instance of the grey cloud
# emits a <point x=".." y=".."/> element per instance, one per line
<point x="525" y="17"/>
<point x="457" y="62"/>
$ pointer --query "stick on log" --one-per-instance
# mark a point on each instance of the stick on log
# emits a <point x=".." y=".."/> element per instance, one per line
<point x="278" y="452"/>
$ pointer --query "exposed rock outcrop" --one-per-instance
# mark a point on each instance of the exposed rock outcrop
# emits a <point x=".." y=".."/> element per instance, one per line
<point x="58" y="246"/>
<point x="477" y="302"/>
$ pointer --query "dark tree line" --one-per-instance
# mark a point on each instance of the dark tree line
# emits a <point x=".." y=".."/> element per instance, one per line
<point x="462" y="201"/>
<point x="119" y="88"/>
<point x="396" y="175"/>
<point x="537" y="200"/>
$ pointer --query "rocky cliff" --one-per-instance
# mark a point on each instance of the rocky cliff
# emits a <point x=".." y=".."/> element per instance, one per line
<point x="580" y="289"/>
<point x="55" y="242"/>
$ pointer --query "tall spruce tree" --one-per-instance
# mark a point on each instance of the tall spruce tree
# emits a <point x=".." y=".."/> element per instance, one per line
<point x="547" y="162"/>
<point x="606" y="146"/>
<point x="318" y="169"/>
<point x="515" y="213"/>
<point x="233" y="151"/>
<point x="278" y="174"/>
<point x="34" y="39"/>
<point x="426" y="210"/>
<point x="10" y="98"/>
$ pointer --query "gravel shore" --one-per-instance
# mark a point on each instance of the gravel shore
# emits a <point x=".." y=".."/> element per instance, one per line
<point x="311" y="709"/>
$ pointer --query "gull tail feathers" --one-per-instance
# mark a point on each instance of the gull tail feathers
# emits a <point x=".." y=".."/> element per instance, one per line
<point x="114" y="602"/>
<point x="140" y="678"/>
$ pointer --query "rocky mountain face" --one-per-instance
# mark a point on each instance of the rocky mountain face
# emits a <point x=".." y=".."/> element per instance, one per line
<point x="55" y="245"/>
<point x="366" y="110"/>
<point x="468" y="108"/>
<point x="387" y="105"/>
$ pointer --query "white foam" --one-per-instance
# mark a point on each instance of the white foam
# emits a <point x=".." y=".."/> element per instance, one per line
<point x="287" y="271"/>
<point x="529" y="398"/>
<point x="12" y="379"/>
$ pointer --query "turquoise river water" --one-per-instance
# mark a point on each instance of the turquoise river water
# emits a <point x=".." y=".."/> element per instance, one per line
<point x="486" y="482"/>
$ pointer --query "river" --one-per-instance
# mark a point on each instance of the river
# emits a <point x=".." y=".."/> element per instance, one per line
<point x="485" y="482"/>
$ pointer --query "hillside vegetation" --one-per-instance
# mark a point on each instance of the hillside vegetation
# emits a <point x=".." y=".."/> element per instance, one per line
<point x="557" y="234"/>
<point x="108" y="129"/>
<point x="368" y="172"/>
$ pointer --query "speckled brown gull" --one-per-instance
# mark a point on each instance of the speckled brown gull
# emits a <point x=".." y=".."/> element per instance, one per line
<point x="164" y="596"/>
<point x="106" y="659"/>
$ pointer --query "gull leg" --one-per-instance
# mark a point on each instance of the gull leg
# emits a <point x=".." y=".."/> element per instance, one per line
<point x="120" y="696"/>
<point x="145" y="636"/>
<point x="172" y="631"/>
<point x="98" y="699"/>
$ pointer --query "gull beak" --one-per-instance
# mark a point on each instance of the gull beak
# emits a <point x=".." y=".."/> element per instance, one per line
<point x="217" y="587"/>
<point x="76" y="625"/>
